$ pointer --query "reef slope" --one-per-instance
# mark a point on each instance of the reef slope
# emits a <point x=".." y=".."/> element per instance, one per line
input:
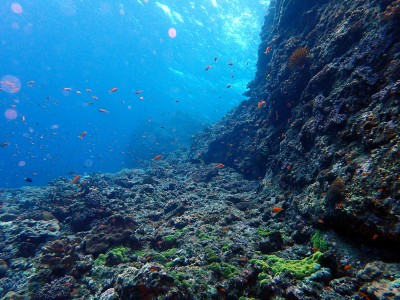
<point x="328" y="136"/>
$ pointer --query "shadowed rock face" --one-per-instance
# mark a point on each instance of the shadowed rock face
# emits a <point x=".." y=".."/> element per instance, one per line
<point x="332" y="117"/>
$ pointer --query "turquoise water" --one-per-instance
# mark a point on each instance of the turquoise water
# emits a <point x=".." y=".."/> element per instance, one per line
<point x="61" y="60"/>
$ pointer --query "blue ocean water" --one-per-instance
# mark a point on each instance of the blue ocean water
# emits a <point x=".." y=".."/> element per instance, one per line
<point x="62" y="59"/>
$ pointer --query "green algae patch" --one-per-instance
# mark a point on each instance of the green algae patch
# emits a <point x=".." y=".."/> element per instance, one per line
<point x="263" y="232"/>
<point x="210" y="256"/>
<point x="300" y="268"/>
<point x="204" y="236"/>
<point x="318" y="241"/>
<point x="172" y="238"/>
<point x="224" y="269"/>
<point x="122" y="253"/>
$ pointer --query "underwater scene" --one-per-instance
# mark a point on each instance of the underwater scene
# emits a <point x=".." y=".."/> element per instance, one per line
<point x="200" y="149"/>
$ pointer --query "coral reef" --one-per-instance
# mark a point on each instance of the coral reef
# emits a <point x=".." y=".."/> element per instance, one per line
<point x="295" y="199"/>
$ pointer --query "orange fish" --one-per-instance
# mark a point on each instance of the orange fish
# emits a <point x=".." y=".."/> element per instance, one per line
<point x="220" y="166"/>
<point x="375" y="237"/>
<point x="208" y="67"/>
<point x="276" y="209"/>
<point x="76" y="179"/>
<point x="268" y="50"/>
<point x="114" y="89"/>
<point x="82" y="134"/>
<point x="230" y="63"/>
<point x="102" y="110"/>
<point x="157" y="157"/>
<point x="261" y="104"/>
<point x="347" y="267"/>
<point x="138" y="92"/>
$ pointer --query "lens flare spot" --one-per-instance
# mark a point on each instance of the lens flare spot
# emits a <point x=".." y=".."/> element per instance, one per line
<point x="172" y="32"/>
<point x="10" y="84"/>
<point x="88" y="163"/>
<point x="16" y="8"/>
<point x="21" y="163"/>
<point x="11" y="114"/>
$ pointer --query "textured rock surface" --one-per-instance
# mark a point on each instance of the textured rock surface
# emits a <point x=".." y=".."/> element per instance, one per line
<point x="296" y="197"/>
<point x="331" y="118"/>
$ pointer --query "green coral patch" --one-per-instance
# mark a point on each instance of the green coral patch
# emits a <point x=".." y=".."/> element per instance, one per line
<point x="318" y="241"/>
<point x="300" y="268"/>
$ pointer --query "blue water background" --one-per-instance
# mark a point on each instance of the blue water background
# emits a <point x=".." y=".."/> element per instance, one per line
<point x="99" y="45"/>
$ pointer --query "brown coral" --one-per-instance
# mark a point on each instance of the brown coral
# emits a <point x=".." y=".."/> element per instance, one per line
<point x="298" y="58"/>
<point x="392" y="10"/>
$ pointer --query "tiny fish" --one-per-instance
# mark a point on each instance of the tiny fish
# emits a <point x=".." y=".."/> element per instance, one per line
<point x="95" y="97"/>
<point x="141" y="98"/>
<point x="261" y="104"/>
<point x="102" y="110"/>
<point x="23" y="118"/>
<point x="76" y="179"/>
<point x="208" y="67"/>
<point x="114" y="89"/>
<point x="157" y="157"/>
<point x="268" y="50"/>
<point x="27" y="179"/>
<point x="230" y="63"/>
<point x="88" y="90"/>
<point x="220" y="166"/>
<point x="78" y="92"/>
<point x="82" y="134"/>
<point x="67" y="89"/>
<point x="138" y="92"/>
<point x="347" y="267"/>
<point x="276" y="209"/>
<point x="229" y="86"/>
<point x="4" y="144"/>
<point x="215" y="58"/>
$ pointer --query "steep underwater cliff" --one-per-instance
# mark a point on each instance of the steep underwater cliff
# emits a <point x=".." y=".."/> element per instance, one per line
<point x="328" y="137"/>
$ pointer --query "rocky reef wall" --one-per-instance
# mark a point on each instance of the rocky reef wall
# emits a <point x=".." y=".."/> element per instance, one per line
<point x="327" y="136"/>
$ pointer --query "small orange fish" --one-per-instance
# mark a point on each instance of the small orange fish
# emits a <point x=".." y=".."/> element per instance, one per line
<point x="138" y="92"/>
<point x="276" y="209"/>
<point x="375" y="236"/>
<point x="268" y="50"/>
<point x="208" y="67"/>
<point x="157" y="157"/>
<point x="347" y="267"/>
<point x="82" y="134"/>
<point x="230" y="63"/>
<point x="76" y="179"/>
<point x="261" y="103"/>
<point x="220" y="166"/>
<point x="114" y="89"/>
<point x="102" y="110"/>
<point x="229" y="86"/>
